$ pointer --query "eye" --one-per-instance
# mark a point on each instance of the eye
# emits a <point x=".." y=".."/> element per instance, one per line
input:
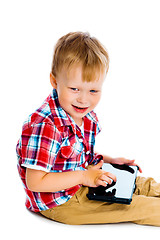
<point x="94" y="91"/>
<point x="74" y="89"/>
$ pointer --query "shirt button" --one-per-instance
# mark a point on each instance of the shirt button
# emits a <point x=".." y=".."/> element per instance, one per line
<point x="87" y="152"/>
<point x="81" y="140"/>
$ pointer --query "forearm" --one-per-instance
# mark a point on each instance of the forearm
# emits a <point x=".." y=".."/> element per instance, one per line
<point x="39" y="181"/>
<point x="120" y="161"/>
<point x="107" y="159"/>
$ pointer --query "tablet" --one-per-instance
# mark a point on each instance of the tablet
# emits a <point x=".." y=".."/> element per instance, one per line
<point x="120" y="191"/>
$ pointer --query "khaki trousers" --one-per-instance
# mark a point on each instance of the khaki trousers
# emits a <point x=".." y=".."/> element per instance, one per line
<point x="144" y="208"/>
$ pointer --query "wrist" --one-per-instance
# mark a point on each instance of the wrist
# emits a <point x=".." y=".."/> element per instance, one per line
<point x="108" y="159"/>
<point x="82" y="176"/>
<point x="85" y="176"/>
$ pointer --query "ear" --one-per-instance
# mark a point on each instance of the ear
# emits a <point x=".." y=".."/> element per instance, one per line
<point x="53" y="81"/>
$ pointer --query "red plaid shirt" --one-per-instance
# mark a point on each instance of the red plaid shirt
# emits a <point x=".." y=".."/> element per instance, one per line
<point x="52" y="141"/>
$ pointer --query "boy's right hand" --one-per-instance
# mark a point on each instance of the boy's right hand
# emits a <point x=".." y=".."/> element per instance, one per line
<point x="95" y="176"/>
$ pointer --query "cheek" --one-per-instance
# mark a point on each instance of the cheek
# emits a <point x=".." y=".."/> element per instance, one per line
<point x="96" y="100"/>
<point x="65" y="97"/>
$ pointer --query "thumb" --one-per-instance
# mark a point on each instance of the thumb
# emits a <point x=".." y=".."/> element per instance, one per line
<point x="99" y="165"/>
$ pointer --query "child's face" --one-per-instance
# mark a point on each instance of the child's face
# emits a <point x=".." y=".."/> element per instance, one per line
<point x="75" y="96"/>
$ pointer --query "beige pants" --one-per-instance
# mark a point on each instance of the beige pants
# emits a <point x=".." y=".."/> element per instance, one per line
<point x="144" y="209"/>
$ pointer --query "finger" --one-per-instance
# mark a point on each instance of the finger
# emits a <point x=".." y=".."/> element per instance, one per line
<point x="129" y="162"/>
<point x="106" y="179"/>
<point x="99" y="165"/>
<point x="100" y="182"/>
<point x="139" y="168"/>
<point x="122" y="161"/>
<point x="110" y="175"/>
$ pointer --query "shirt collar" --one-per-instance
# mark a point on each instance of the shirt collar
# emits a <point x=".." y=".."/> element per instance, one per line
<point x="61" y="117"/>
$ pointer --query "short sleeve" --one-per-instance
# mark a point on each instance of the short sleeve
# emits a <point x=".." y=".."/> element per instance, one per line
<point x="40" y="144"/>
<point x="34" y="167"/>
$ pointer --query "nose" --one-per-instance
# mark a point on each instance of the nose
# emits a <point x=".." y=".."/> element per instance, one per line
<point x="82" y="98"/>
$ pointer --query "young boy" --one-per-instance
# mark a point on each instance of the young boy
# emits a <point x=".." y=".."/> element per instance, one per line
<point x="56" y="159"/>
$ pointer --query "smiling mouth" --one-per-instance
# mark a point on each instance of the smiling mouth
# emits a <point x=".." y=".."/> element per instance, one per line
<point x="79" y="109"/>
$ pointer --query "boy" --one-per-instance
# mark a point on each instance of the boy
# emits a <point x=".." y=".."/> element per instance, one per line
<point x="56" y="159"/>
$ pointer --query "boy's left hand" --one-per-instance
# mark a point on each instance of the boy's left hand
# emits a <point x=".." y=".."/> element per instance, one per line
<point x="122" y="161"/>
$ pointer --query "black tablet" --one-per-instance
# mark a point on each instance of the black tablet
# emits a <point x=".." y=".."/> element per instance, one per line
<point x="120" y="191"/>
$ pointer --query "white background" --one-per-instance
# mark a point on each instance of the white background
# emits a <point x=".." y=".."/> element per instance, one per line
<point x="129" y="108"/>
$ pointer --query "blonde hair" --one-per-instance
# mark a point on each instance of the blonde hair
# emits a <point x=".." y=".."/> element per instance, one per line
<point x="80" y="48"/>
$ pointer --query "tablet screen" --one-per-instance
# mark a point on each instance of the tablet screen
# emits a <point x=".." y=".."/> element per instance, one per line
<point x="124" y="186"/>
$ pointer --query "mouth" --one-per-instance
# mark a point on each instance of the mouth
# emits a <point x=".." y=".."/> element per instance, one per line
<point x="79" y="109"/>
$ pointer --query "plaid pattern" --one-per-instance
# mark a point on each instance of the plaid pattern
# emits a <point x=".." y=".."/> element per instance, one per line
<point x="51" y="139"/>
